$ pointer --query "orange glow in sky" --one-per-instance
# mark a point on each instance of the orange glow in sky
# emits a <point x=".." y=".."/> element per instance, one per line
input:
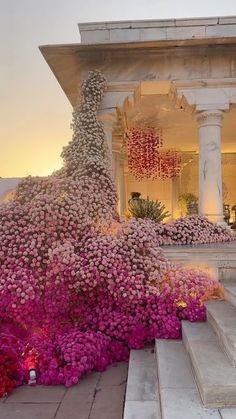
<point x="34" y="111"/>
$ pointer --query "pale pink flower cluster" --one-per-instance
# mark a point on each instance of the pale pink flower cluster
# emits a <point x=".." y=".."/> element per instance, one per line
<point x="195" y="229"/>
<point x="78" y="287"/>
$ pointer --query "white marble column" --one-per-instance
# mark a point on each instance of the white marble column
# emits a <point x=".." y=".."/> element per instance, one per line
<point x="210" y="174"/>
<point x="108" y="128"/>
<point x="122" y="197"/>
<point x="118" y="173"/>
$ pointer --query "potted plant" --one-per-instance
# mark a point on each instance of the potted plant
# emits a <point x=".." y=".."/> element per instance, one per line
<point x="147" y="208"/>
<point x="188" y="204"/>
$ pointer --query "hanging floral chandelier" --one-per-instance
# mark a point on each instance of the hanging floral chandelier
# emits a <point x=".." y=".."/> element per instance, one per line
<point x="147" y="159"/>
<point x="170" y="164"/>
<point x="142" y="148"/>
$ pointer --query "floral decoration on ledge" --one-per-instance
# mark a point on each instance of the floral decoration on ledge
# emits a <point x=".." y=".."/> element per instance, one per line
<point x="78" y="286"/>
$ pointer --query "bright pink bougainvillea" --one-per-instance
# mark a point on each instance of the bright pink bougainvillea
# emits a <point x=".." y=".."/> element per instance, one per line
<point x="78" y="287"/>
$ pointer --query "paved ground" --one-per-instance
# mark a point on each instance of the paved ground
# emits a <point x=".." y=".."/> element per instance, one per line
<point x="98" y="396"/>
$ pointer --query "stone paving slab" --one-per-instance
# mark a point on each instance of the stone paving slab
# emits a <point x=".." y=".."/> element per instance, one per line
<point x="108" y="403"/>
<point x="97" y="396"/>
<point x="114" y="375"/>
<point x="37" y="394"/>
<point x="28" y="410"/>
<point x="87" y="384"/>
<point x="78" y="400"/>
<point x="76" y="404"/>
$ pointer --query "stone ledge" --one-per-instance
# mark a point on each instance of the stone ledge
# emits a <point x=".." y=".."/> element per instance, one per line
<point x="156" y="23"/>
<point x="141" y="30"/>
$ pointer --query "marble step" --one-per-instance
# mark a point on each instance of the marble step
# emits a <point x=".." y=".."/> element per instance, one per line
<point x="214" y="375"/>
<point x="142" y="395"/>
<point x="230" y="292"/>
<point x="222" y="317"/>
<point x="228" y="274"/>
<point x="179" y="397"/>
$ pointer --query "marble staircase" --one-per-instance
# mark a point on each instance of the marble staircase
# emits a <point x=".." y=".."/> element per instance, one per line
<point x="215" y="376"/>
<point x="196" y="377"/>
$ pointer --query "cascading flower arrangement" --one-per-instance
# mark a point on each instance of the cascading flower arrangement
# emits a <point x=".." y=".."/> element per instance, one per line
<point x="78" y="286"/>
<point x="142" y="149"/>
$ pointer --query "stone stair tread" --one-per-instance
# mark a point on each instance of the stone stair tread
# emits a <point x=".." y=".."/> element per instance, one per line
<point x="174" y="368"/>
<point x="142" y="396"/>
<point x="178" y="393"/>
<point x="219" y="307"/>
<point x="215" y="376"/>
<point x="230" y="293"/>
<point x="231" y="287"/>
<point x="222" y="316"/>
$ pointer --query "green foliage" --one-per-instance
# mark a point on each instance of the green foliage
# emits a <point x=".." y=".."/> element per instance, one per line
<point x="184" y="200"/>
<point x="146" y="208"/>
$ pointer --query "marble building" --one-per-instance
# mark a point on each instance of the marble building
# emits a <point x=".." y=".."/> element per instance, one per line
<point x="178" y="74"/>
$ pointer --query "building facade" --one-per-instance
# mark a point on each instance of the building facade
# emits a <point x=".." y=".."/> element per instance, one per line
<point x="175" y="75"/>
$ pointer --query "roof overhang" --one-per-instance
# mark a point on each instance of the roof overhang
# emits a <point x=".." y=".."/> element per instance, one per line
<point x="66" y="60"/>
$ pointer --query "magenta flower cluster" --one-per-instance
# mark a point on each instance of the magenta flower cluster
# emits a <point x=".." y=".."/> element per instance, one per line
<point x="79" y="287"/>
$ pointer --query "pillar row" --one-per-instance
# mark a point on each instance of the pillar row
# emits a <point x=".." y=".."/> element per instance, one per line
<point x="210" y="172"/>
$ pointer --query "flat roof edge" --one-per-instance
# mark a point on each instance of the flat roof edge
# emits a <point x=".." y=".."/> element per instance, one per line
<point x="142" y="44"/>
<point x="191" y="21"/>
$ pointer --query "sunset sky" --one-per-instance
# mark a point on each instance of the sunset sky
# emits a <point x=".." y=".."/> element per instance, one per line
<point x="34" y="112"/>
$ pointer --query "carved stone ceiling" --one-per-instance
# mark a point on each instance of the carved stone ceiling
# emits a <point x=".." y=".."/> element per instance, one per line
<point x="176" y="119"/>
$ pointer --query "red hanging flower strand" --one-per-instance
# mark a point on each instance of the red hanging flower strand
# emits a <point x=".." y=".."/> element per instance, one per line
<point x="145" y="158"/>
<point x="142" y="148"/>
<point x="169" y="164"/>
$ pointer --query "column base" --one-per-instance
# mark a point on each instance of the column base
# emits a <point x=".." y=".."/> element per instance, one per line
<point x="217" y="219"/>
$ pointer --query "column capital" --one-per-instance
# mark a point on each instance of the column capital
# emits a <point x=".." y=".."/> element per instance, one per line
<point x="210" y="117"/>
